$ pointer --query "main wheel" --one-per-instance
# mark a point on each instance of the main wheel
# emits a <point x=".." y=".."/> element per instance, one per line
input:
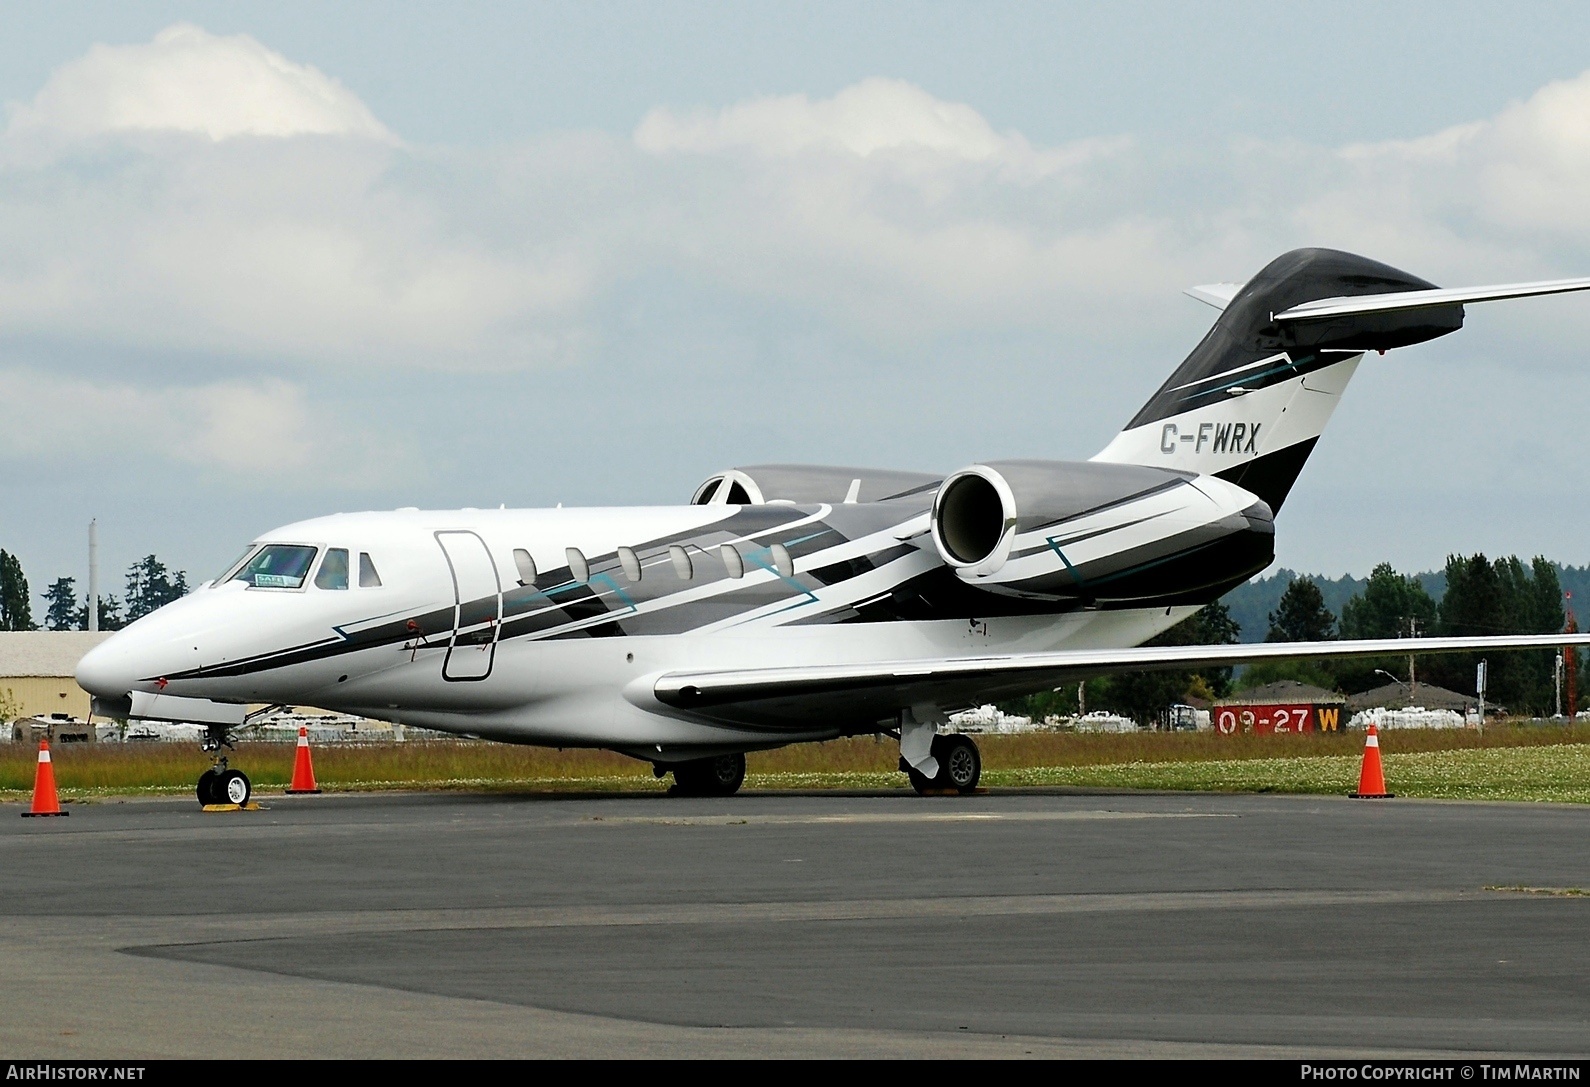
<point x="960" y="763"/>
<point x="960" y="767"/>
<point x="233" y="787"/>
<point x="207" y="790"/>
<point x="720" y="775"/>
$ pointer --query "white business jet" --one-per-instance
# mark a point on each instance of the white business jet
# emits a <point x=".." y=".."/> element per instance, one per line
<point x="787" y="604"/>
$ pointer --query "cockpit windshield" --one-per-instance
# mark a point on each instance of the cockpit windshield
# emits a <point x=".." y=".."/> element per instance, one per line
<point x="277" y="566"/>
<point x="235" y="565"/>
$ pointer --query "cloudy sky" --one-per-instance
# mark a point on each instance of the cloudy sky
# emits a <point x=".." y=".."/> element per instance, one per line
<point x="265" y="261"/>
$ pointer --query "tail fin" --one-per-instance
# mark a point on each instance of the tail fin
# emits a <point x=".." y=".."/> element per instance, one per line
<point x="1251" y="400"/>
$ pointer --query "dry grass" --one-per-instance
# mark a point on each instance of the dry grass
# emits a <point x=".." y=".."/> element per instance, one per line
<point x="1154" y="760"/>
<point x="167" y="767"/>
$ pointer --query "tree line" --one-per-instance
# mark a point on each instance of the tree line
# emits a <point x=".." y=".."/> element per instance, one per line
<point x="1481" y="596"/>
<point x="150" y="584"/>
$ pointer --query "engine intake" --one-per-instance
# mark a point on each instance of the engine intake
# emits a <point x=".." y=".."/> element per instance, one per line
<point x="975" y="520"/>
<point x="1096" y="531"/>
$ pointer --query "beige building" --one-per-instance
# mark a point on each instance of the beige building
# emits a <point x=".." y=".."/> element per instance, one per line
<point x="36" y="668"/>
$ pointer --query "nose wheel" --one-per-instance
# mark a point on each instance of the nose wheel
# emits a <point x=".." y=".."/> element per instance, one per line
<point x="221" y="784"/>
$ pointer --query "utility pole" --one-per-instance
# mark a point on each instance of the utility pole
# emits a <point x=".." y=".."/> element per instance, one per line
<point x="93" y="574"/>
<point x="1479" y="685"/>
<point x="1570" y="662"/>
<point x="1413" y="680"/>
<point x="1556" y="679"/>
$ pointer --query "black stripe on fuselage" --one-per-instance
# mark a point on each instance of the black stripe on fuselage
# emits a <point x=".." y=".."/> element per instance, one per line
<point x="557" y="601"/>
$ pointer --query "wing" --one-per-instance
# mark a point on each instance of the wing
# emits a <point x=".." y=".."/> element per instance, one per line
<point x="1322" y="308"/>
<point x="854" y="695"/>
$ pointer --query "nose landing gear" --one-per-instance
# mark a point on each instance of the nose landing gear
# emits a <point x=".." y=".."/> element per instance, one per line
<point x="221" y="784"/>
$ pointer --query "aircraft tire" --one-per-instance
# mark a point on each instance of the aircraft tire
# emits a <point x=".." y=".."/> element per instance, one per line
<point x="207" y="791"/>
<point x="960" y="767"/>
<point x="960" y="763"/>
<point x="720" y="775"/>
<point x="233" y="787"/>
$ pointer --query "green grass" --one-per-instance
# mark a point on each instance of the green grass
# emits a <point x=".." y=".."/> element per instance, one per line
<point x="1506" y="763"/>
<point x="1559" y="773"/>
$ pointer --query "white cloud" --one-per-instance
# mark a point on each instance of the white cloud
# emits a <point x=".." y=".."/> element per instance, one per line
<point x="894" y="210"/>
<point x="1493" y="198"/>
<point x="190" y="81"/>
<point x="264" y="431"/>
<point x="892" y="214"/>
<point x="128" y="215"/>
<point x="875" y="118"/>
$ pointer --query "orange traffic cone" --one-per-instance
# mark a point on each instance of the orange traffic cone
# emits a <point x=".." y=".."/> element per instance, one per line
<point x="303" y="770"/>
<point x="45" y="802"/>
<point x="1371" y="781"/>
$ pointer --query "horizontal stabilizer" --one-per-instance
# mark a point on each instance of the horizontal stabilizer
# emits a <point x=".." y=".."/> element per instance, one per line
<point x="875" y="691"/>
<point x="1412" y="300"/>
<point x="1218" y="295"/>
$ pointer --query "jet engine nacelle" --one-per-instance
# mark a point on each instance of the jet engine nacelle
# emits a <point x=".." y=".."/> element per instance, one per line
<point x="1097" y="531"/>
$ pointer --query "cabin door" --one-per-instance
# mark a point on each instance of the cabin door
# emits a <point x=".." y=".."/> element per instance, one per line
<point x="477" y="606"/>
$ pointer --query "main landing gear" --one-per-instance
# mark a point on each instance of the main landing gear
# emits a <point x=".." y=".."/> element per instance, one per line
<point x="960" y="767"/>
<point x="936" y="763"/>
<point x="221" y="784"/>
<point x="720" y="775"/>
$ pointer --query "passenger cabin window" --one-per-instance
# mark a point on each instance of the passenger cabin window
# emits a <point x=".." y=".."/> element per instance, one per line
<point x="782" y="560"/>
<point x="681" y="560"/>
<point x="333" y="572"/>
<point x="630" y="562"/>
<point x="732" y="560"/>
<point x="579" y="569"/>
<point x="368" y="578"/>
<point x="277" y="566"/>
<point x="526" y="566"/>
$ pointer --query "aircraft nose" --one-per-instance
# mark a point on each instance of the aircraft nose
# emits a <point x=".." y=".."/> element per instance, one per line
<point x="106" y="670"/>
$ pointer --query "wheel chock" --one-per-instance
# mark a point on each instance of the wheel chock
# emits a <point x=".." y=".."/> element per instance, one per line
<point x="250" y="806"/>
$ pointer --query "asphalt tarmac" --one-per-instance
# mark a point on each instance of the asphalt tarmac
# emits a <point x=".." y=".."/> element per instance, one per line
<point x="1047" y="923"/>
